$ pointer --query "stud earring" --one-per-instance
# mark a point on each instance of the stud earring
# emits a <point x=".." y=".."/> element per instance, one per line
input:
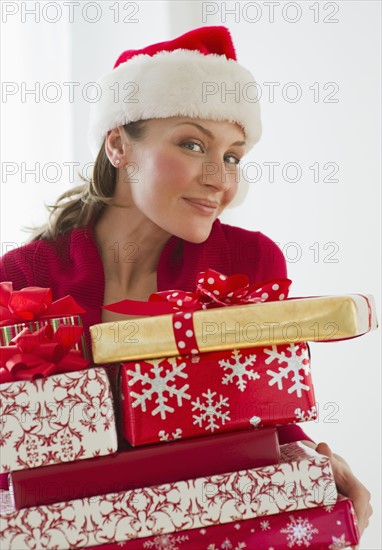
<point x="117" y="162"/>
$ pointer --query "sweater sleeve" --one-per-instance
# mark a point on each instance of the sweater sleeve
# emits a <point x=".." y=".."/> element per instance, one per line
<point x="254" y="254"/>
<point x="272" y="260"/>
<point x="16" y="266"/>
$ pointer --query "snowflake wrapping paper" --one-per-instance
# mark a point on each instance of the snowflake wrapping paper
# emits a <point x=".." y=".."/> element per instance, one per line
<point x="188" y="396"/>
<point x="145" y="466"/>
<point x="305" y="482"/>
<point x="320" y="528"/>
<point x="60" y="418"/>
<point x="270" y="323"/>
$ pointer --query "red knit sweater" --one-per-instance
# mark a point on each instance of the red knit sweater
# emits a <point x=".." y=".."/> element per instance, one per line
<point x="72" y="265"/>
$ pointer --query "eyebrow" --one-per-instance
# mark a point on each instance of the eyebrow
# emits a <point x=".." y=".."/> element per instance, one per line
<point x="207" y="132"/>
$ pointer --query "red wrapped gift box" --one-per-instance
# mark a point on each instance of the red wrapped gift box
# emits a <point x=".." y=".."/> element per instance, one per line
<point x="321" y="528"/>
<point x="220" y="391"/>
<point x="146" y="466"/>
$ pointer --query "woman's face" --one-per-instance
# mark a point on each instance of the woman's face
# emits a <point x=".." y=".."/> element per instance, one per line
<point x="183" y="173"/>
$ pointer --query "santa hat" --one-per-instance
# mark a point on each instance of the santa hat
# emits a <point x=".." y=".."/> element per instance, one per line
<point x="195" y="75"/>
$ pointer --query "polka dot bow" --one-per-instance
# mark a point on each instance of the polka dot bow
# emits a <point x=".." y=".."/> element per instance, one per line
<point x="213" y="289"/>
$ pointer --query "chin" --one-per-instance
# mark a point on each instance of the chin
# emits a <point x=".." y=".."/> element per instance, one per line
<point x="196" y="240"/>
<point x="199" y="238"/>
<point x="196" y="236"/>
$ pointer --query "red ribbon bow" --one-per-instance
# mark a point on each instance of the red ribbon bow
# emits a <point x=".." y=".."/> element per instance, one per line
<point x="213" y="289"/>
<point x="32" y="355"/>
<point x="33" y="303"/>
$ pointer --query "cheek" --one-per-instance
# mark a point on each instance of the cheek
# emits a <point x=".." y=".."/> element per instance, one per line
<point x="173" y="172"/>
<point x="233" y="191"/>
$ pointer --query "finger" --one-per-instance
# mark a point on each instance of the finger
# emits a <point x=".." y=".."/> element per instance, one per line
<point x="363" y="515"/>
<point x="360" y="497"/>
<point x="324" y="449"/>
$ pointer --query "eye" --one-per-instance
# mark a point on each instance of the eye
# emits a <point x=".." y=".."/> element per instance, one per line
<point x="232" y="159"/>
<point x="193" y="146"/>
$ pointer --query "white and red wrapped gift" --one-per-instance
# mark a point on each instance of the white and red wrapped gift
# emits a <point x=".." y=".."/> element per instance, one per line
<point x="302" y="480"/>
<point x="321" y="528"/>
<point x="53" y="408"/>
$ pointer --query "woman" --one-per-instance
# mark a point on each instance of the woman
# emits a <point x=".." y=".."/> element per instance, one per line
<point x="168" y="135"/>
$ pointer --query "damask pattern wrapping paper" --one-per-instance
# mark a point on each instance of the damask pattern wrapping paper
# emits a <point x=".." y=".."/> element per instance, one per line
<point x="321" y="528"/>
<point x="304" y="481"/>
<point x="60" y="418"/>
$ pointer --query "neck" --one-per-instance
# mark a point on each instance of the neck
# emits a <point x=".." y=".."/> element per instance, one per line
<point x="130" y="245"/>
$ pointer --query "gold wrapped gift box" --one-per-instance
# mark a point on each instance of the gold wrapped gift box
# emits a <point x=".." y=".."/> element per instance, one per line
<point x="297" y="320"/>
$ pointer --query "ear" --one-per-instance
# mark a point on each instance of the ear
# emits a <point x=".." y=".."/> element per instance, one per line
<point x="116" y="144"/>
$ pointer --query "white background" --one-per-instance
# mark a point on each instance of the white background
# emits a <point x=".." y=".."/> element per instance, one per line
<point x="329" y="230"/>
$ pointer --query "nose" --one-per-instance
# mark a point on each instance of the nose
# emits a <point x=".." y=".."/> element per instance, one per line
<point x="219" y="175"/>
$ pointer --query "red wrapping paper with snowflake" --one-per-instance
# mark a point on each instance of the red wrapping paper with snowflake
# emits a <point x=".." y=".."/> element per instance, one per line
<point x="303" y="479"/>
<point x="210" y="393"/>
<point x="61" y="418"/>
<point x="320" y="528"/>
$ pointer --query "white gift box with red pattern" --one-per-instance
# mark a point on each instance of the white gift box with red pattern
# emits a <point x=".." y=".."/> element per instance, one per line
<point x="320" y="528"/>
<point x="61" y="418"/>
<point x="302" y="480"/>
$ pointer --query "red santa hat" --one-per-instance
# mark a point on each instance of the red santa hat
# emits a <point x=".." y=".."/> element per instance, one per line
<point x="195" y="75"/>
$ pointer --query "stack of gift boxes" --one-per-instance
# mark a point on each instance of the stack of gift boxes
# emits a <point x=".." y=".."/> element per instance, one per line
<point x="204" y="391"/>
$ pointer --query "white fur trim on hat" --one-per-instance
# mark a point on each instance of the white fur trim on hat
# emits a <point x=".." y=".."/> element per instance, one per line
<point x="178" y="83"/>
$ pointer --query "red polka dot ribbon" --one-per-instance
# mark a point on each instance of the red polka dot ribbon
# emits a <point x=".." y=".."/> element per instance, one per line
<point x="184" y="333"/>
<point x="213" y="289"/>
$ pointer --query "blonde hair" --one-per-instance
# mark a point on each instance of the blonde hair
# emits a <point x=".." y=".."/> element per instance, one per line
<point x="83" y="205"/>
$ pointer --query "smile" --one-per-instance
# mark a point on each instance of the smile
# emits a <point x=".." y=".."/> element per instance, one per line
<point x="203" y="205"/>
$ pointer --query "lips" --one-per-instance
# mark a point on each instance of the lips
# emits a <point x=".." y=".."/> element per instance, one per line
<point x="203" y="206"/>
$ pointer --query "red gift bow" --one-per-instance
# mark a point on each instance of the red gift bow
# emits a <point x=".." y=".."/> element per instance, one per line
<point x="33" y="303"/>
<point x="213" y="289"/>
<point x="38" y="354"/>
